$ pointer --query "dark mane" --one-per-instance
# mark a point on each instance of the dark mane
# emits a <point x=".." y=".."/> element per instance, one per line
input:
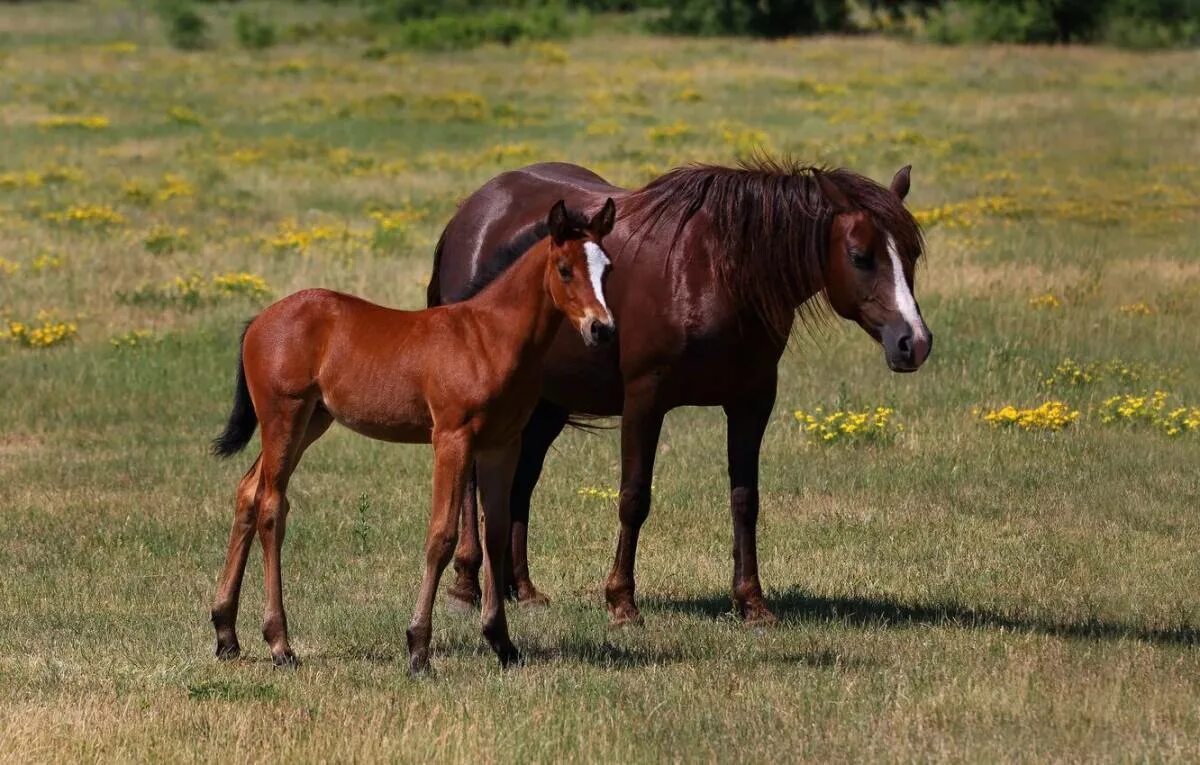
<point x="509" y="253"/>
<point x="773" y="222"/>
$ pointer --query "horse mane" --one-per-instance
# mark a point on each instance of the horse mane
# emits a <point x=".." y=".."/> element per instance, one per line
<point x="772" y="221"/>
<point x="510" y="252"/>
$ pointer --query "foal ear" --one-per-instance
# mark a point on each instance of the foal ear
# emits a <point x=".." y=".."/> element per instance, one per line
<point x="901" y="181"/>
<point x="832" y="193"/>
<point x="602" y="222"/>
<point x="557" y="222"/>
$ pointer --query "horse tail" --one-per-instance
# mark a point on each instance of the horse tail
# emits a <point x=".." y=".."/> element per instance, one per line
<point x="242" y="420"/>
<point x="433" y="295"/>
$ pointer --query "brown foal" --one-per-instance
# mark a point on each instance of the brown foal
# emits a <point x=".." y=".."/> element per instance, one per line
<point x="464" y="377"/>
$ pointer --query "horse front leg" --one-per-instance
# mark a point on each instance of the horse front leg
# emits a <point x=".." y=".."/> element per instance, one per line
<point x="641" y="424"/>
<point x="495" y="469"/>
<point x="746" y="424"/>
<point x="545" y="425"/>
<point x="451" y="464"/>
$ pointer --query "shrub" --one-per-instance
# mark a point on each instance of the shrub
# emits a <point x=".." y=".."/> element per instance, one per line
<point x="186" y="29"/>
<point x="253" y="32"/>
<point x="762" y="18"/>
<point x="1133" y="23"/>
<point x="455" y="32"/>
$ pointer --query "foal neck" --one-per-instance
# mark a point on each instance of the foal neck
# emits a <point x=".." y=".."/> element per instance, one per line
<point x="520" y="298"/>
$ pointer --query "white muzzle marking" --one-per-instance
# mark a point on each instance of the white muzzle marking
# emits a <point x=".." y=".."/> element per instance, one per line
<point x="904" y="297"/>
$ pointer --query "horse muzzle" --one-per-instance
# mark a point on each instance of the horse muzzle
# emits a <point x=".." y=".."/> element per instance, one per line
<point x="905" y="347"/>
<point x="597" y="332"/>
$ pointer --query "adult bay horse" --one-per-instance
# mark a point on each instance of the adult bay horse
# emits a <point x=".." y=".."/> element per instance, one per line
<point x="464" y="377"/>
<point x="712" y="266"/>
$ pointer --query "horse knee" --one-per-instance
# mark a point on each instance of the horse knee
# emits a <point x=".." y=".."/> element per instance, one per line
<point x="272" y="511"/>
<point x="440" y="548"/>
<point x="634" y="503"/>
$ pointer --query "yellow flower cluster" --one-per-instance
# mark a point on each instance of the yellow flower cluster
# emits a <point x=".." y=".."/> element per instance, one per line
<point x="240" y="283"/>
<point x="8" y="267"/>
<point x="1048" y="301"/>
<point x="43" y="332"/>
<point x="162" y="240"/>
<point x="1072" y="373"/>
<point x="170" y="187"/>
<point x="182" y="115"/>
<point x="1051" y="415"/>
<point x="592" y="492"/>
<point x="867" y="425"/>
<point x="669" y="133"/>
<point x="97" y="216"/>
<point x="292" y="238"/>
<point x="134" y="338"/>
<point x="1151" y="409"/>
<point x="32" y="179"/>
<point x="457" y="105"/>
<point x="967" y="213"/>
<point x="59" y="121"/>
<point x="1136" y="309"/>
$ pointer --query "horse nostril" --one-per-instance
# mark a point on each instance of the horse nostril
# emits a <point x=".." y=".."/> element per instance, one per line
<point x="601" y="332"/>
<point x="906" y="345"/>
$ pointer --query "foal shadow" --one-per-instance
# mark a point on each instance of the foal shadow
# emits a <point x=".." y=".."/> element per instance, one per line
<point x="794" y="604"/>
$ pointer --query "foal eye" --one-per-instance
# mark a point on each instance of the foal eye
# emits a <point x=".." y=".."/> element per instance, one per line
<point x="564" y="271"/>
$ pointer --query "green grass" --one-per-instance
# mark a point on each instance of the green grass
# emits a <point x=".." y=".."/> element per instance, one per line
<point x="961" y="593"/>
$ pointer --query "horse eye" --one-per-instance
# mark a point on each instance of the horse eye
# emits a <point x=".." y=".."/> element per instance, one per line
<point x="564" y="271"/>
<point x="861" y="259"/>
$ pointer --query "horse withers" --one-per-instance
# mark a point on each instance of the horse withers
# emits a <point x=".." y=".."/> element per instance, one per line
<point x="712" y="267"/>
<point x="464" y="377"/>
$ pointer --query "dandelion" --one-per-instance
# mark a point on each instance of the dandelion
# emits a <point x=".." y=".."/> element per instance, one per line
<point x="63" y="121"/>
<point x="592" y="492"/>
<point x="1151" y="410"/>
<point x="1136" y="309"/>
<point x="1051" y="415"/>
<point x="95" y="216"/>
<point x="672" y="133"/>
<point x="866" y="425"/>
<point x="43" y="332"/>
<point x="1047" y="302"/>
<point x="173" y="186"/>
<point x="240" y="283"/>
<point x="134" y="338"/>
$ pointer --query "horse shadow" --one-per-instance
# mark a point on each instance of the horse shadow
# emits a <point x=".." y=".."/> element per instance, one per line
<point x="796" y="605"/>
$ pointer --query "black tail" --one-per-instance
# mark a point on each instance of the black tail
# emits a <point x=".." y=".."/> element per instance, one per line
<point x="433" y="293"/>
<point x="242" y="420"/>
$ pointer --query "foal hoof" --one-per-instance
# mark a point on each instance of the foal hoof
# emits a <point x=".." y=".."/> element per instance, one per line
<point x="285" y="659"/>
<point x="228" y="651"/>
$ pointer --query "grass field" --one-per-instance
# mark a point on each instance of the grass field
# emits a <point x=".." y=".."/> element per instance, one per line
<point x="958" y="591"/>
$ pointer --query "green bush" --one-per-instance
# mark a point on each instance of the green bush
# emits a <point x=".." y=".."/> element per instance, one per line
<point x="186" y="29"/>
<point x="1136" y="23"/>
<point x="253" y="32"/>
<point x="454" y="32"/>
<point x="761" y="18"/>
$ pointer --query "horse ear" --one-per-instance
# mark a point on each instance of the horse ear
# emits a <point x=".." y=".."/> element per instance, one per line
<point x="901" y="181"/>
<point x="602" y="222"/>
<point x="832" y="193"/>
<point x="557" y="222"/>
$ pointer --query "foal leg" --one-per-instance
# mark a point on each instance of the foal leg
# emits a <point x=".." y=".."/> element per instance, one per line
<point x="544" y="426"/>
<point x="229" y="588"/>
<point x="468" y="556"/>
<point x="451" y="464"/>
<point x="641" y="424"/>
<point x="288" y="429"/>
<point x="495" y="470"/>
<point x="746" y="423"/>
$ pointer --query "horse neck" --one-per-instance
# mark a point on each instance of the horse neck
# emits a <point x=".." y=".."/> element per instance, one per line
<point x="520" y="301"/>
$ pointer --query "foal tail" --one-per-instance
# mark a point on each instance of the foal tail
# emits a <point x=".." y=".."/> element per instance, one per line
<point x="242" y="420"/>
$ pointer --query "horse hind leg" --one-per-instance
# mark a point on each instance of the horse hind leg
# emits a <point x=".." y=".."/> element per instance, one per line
<point x="464" y="594"/>
<point x="286" y="433"/>
<point x="229" y="588"/>
<point x="495" y="470"/>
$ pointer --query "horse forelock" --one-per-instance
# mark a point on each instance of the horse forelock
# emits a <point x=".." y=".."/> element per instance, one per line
<point x="771" y="223"/>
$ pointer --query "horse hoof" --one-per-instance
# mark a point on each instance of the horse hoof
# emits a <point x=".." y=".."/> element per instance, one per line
<point x="460" y="605"/>
<point x="625" y="616"/>
<point x="418" y="664"/>
<point x="509" y="657"/>
<point x="761" y="618"/>
<point x="532" y="598"/>
<point x="228" y="651"/>
<point x="463" y="598"/>
<point x="285" y="659"/>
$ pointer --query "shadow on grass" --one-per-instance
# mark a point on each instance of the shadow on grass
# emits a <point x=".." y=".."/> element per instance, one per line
<point x="794" y="604"/>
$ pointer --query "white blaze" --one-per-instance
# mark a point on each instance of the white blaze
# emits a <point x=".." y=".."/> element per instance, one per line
<point x="904" y="297"/>
<point x="597" y="261"/>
